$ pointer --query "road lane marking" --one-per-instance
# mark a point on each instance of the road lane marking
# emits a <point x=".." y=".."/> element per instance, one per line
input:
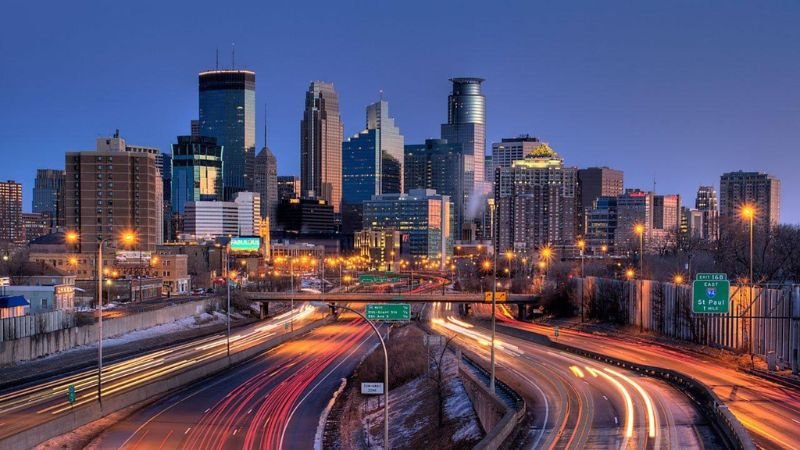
<point x="616" y="420"/>
<point x="187" y="430"/>
<point x="165" y="440"/>
<point x="605" y="398"/>
<point x="793" y="420"/>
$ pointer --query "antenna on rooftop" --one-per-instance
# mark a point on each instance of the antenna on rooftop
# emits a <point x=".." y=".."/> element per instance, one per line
<point x="233" y="55"/>
<point x="380" y="94"/>
<point x="265" y="125"/>
<point x="217" y="63"/>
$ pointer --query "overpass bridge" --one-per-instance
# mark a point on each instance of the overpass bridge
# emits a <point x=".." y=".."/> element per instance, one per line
<point x="371" y="297"/>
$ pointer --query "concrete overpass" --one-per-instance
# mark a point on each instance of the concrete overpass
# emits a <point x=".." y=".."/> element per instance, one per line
<point x="370" y="297"/>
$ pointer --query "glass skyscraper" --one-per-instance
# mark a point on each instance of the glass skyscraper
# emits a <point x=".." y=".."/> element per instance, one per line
<point x="47" y="194"/>
<point x="197" y="167"/>
<point x="321" y="145"/>
<point x="440" y="165"/>
<point x="391" y="148"/>
<point x="227" y="113"/>
<point x="466" y="122"/>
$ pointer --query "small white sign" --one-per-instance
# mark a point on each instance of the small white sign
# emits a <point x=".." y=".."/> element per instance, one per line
<point x="434" y="339"/>
<point x="372" y="388"/>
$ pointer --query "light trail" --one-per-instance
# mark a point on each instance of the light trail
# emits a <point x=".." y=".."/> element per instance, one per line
<point x="651" y="414"/>
<point x="629" y="413"/>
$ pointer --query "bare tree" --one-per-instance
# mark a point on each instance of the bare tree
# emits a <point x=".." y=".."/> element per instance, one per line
<point x="437" y="375"/>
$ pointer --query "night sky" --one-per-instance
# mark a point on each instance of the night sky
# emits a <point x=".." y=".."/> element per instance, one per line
<point x="677" y="91"/>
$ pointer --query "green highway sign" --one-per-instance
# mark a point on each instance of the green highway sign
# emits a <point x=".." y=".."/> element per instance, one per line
<point x="711" y="296"/>
<point x="71" y="396"/>
<point x="389" y="311"/>
<point x="711" y="277"/>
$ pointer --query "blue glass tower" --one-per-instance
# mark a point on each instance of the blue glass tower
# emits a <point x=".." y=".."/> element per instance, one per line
<point x="227" y="113"/>
<point x="197" y="169"/>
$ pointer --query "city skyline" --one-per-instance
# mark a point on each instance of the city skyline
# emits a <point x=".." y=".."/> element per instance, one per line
<point x="694" y="112"/>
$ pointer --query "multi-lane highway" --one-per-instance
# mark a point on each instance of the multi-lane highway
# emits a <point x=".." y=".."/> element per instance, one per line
<point x="273" y="401"/>
<point x="770" y="412"/>
<point x="36" y="403"/>
<point x="581" y="403"/>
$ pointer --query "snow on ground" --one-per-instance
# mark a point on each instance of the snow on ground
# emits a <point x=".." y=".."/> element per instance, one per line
<point x="179" y="325"/>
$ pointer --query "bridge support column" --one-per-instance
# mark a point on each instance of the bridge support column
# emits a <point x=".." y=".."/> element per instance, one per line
<point x="521" y="311"/>
<point x="264" y="310"/>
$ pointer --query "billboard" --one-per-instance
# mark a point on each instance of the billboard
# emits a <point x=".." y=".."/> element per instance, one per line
<point x="245" y="244"/>
<point x="132" y="258"/>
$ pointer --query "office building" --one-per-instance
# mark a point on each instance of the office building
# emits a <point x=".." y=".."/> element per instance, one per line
<point x="692" y="225"/>
<point x="666" y="221"/>
<point x="265" y="183"/>
<point x="35" y="225"/>
<point x="305" y="216"/>
<point x="197" y="170"/>
<point x="210" y="219"/>
<point x="759" y="189"/>
<point x="249" y="213"/>
<point x="110" y="190"/>
<point x="361" y="176"/>
<point x="321" y="145"/>
<point x="466" y="125"/>
<point x="288" y="187"/>
<point x="380" y="248"/>
<point x="634" y="207"/>
<point x="488" y="169"/>
<point x="389" y="147"/>
<point x="441" y="166"/>
<point x="47" y="195"/>
<point x="601" y="227"/>
<point x="422" y="217"/>
<point x="227" y="113"/>
<point x="536" y="199"/>
<point x="707" y="203"/>
<point x="508" y="150"/>
<point x="166" y="183"/>
<point x="593" y="183"/>
<point x="11" y="228"/>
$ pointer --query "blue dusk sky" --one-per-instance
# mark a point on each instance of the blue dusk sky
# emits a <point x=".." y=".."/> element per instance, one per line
<point x="677" y="92"/>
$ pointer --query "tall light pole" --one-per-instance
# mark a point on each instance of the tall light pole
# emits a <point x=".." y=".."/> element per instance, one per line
<point x="581" y="246"/>
<point x="495" y="248"/>
<point x="748" y="213"/>
<point x="639" y="230"/>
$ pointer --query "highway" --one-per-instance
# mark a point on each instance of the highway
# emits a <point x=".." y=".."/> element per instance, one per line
<point x="25" y="406"/>
<point x="273" y="401"/>
<point x="769" y="411"/>
<point x="580" y="403"/>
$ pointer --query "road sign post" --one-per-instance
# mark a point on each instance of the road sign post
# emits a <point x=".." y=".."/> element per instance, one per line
<point x="711" y="294"/>
<point x="71" y="395"/>
<point x="372" y="388"/>
<point x="389" y="311"/>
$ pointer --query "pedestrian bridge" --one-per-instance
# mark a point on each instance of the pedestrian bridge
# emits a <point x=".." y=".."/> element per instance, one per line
<point x="370" y="297"/>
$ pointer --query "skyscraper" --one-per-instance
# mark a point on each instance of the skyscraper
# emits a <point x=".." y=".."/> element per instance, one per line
<point x="227" y="113"/>
<point x="361" y="176"/>
<point x="509" y="150"/>
<point x="321" y="145"/>
<point x="760" y="189"/>
<point x="706" y="202"/>
<point x="248" y="205"/>
<point x="197" y="169"/>
<point x="11" y="227"/>
<point x="391" y="146"/>
<point x="265" y="183"/>
<point x="536" y="199"/>
<point x="110" y="190"/>
<point x="47" y="195"/>
<point x="439" y="165"/>
<point x="288" y="187"/>
<point x="466" y="124"/>
<point x="634" y="207"/>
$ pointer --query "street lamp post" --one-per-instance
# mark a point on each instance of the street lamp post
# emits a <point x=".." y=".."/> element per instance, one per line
<point x="494" y="299"/>
<point x="639" y="229"/>
<point x="581" y="247"/>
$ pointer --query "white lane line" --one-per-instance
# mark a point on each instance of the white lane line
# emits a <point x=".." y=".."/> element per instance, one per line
<point x="616" y="420"/>
<point x="250" y="410"/>
<point x="207" y="410"/>
<point x="605" y="398"/>
<point x="546" y="406"/>
<point x="793" y="420"/>
<point x="187" y="430"/>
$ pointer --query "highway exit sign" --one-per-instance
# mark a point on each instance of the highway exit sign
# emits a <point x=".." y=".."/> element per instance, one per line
<point x="389" y="311"/>
<point x="500" y="296"/>
<point x="711" y="277"/>
<point x="711" y="295"/>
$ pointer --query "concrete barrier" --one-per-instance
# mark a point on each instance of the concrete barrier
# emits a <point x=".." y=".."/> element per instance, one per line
<point x="43" y="344"/>
<point x="497" y="418"/>
<point x="88" y="413"/>
<point x="726" y="424"/>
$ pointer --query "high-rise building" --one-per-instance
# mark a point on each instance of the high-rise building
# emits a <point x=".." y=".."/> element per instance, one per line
<point x="601" y="227"/>
<point x="227" y="113"/>
<point x="666" y="220"/>
<point x="440" y="165"/>
<point x="305" y="216"/>
<point x="596" y="182"/>
<point x="166" y="183"/>
<point x="466" y="124"/>
<point x="759" y="189"/>
<point x="706" y="202"/>
<point x="197" y="170"/>
<point x="11" y="227"/>
<point x="248" y="205"/>
<point x="361" y="176"/>
<point x="536" y="199"/>
<point x="47" y="195"/>
<point x="209" y="219"/>
<point x="321" y="145"/>
<point x="111" y="190"/>
<point x="288" y="187"/>
<point x="509" y="150"/>
<point x="35" y="225"/>
<point x="421" y="216"/>
<point x="488" y="169"/>
<point x="634" y="207"/>
<point x="390" y="146"/>
<point x="265" y="183"/>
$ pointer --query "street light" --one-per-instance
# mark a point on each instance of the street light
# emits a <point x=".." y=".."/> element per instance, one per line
<point x="639" y="230"/>
<point x="748" y="212"/>
<point x="581" y="246"/>
<point x="128" y="238"/>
